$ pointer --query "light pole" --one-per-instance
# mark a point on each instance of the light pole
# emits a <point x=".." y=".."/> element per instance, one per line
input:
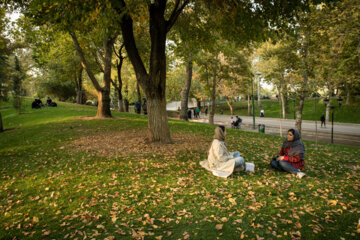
<point x="326" y="100"/>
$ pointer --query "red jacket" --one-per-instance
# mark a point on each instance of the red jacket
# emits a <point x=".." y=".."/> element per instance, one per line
<point x="295" y="161"/>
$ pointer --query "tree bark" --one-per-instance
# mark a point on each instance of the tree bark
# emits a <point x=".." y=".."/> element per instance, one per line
<point x="1" y="124"/>
<point x="157" y="118"/>
<point x="103" y="109"/>
<point x="186" y="90"/>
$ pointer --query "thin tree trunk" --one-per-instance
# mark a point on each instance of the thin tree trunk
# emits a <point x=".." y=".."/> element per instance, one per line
<point x="213" y="91"/>
<point x="349" y="97"/>
<point x="299" y="111"/>
<point x="186" y="90"/>
<point x="258" y="92"/>
<point x="249" y="106"/>
<point x="230" y="104"/>
<point x="1" y="124"/>
<point x="79" y="90"/>
<point x="327" y="113"/>
<point x="118" y="88"/>
<point x="283" y="105"/>
<point x="305" y="76"/>
<point x="102" y="92"/>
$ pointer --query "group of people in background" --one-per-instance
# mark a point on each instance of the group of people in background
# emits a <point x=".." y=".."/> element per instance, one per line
<point x="138" y="107"/>
<point x="37" y="103"/>
<point x="236" y="123"/>
<point x="223" y="163"/>
<point x="194" y="113"/>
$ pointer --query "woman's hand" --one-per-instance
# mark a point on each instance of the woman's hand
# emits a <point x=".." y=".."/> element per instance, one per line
<point x="280" y="158"/>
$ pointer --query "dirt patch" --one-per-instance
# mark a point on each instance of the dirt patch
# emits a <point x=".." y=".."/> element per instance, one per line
<point x="136" y="143"/>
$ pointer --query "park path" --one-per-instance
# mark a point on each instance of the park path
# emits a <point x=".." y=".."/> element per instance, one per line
<point x="344" y="133"/>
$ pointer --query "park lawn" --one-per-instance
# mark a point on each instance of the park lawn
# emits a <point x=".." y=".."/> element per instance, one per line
<point x="272" y="108"/>
<point x="54" y="185"/>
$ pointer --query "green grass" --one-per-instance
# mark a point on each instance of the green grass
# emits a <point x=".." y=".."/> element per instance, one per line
<point x="48" y="191"/>
<point x="345" y="113"/>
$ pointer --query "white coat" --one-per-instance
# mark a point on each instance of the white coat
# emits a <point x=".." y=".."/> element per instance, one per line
<point x="220" y="161"/>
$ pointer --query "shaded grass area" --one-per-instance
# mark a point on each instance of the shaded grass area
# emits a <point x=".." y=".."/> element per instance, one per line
<point x="345" y="113"/>
<point x="47" y="191"/>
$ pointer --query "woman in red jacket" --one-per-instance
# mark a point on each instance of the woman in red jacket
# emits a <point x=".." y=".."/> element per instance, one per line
<point x="292" y="154"/>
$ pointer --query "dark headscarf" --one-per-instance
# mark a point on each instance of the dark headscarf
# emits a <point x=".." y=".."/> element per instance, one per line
<point x="296" y="146"/>
<point x="219" y="133"/>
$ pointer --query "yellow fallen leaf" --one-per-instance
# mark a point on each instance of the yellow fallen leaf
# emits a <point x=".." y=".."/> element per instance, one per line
<point x="46" y="233"/>
<point x="332" y="202"/>
<point x="35" y="219"/>
<point x="219" y="226"/>
<point x="232" y="201"/>
<point x="298" y="225"/>
<point x="224" y="219"/>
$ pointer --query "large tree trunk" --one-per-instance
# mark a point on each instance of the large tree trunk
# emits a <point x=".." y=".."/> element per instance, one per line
<point x="157" y="118"/>
<point x="249" y="106"/>
<point x="186" y="90"/>
<point x="154" y="83"/>
<point x="213" y="91"/>
<point x="1" y="124"/>
<point x="103" y="109"/>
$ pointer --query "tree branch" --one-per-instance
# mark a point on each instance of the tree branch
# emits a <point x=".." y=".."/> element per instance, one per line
<point x="175" y="14"/>
<point x="84" y="63"/>
<point x="126" y="24"/>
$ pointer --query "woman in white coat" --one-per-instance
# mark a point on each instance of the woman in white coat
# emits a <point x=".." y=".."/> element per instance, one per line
<point x="221" y="162"/>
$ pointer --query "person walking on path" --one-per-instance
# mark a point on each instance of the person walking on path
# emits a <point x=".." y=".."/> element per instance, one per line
<point x="322" y="119"/>
<point x="292" y="155"/>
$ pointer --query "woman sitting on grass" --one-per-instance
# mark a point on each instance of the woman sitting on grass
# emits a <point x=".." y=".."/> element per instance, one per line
<point x="291" y="157"/>
<point x="221" y="162"/>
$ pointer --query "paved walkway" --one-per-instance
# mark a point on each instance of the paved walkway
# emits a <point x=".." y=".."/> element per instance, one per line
<point x="344" y="133"/>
